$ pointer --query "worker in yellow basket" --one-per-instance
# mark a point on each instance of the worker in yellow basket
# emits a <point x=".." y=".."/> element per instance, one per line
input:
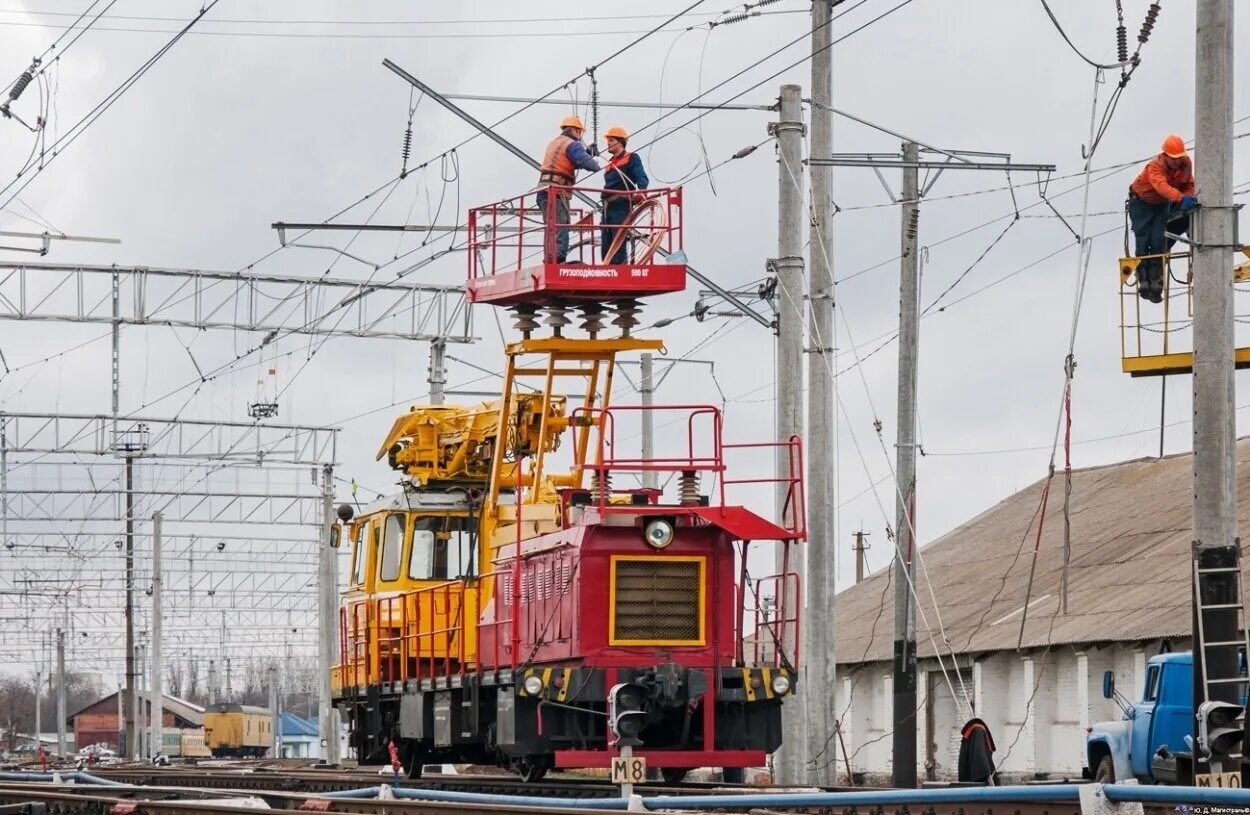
<point x="565" y="155"/>
<point x="1159" y="201"/>
<point x="623" y="177"/>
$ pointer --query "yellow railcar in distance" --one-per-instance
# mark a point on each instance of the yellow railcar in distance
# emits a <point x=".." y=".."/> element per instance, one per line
<point x="238" y="731"/>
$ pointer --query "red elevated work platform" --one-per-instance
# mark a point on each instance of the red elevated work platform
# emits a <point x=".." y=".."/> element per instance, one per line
<point x="513" y="248"/>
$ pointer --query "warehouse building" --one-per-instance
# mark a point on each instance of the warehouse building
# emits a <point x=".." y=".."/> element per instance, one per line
<point x="1018" y="658"/>
<point x="100" y="723"/>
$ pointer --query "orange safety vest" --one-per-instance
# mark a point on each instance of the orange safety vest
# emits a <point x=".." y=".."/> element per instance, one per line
<point x="557" y="167"/>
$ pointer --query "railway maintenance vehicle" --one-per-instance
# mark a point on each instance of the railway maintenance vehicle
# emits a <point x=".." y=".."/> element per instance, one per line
<point x="515" y="586"/>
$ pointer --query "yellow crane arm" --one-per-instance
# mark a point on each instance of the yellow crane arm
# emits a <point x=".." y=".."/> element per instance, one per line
<point x="434" y="444"/>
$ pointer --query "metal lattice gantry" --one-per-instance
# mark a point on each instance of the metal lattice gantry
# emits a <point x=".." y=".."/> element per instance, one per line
<point x="243" y="519"/>
<point x="245" y="301"/>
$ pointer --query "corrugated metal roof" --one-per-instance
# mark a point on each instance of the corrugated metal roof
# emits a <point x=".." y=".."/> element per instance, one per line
<point x="189" y="712"/>
<point x="293" y="725"/>
<point x="1129" y="570"/>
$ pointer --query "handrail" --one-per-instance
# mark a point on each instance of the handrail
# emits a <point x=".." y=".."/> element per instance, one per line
<point x="509" y="234"/>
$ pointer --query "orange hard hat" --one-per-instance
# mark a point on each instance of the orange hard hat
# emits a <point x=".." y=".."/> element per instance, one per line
<point x="616" y="132"/>
<point x="572" y="121"/>
<point x="1174" y="146"/>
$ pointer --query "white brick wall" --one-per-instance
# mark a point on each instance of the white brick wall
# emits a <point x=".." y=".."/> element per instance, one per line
<point x="1044" y="739"/>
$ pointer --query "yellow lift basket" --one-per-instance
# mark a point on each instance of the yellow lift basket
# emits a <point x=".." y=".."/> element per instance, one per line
<point x="1156" y="339"/>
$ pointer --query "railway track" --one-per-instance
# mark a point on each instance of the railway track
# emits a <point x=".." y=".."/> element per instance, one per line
<point x="320" y="781"/>
<point x="65" y="799"/>
<point x="60" y="799"/>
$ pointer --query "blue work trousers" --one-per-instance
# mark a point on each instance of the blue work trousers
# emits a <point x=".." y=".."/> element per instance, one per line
<point x="1149" y="223"/>
<point x="561" y="247"/>
<point x="615" y="212"/>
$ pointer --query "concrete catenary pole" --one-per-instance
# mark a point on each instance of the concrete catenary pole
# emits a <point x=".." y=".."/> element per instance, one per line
<point x="157" y="697"/>
<point x="788" y="266"/>
<point x="819" y="668"/>
<point x="327" y="587"/>
<point x="1214" y="233"/>
<point x="859" y="548"/>
<point x="60" y="692"/>
<point x="43" y="654"/>
<point x="905" y="713"/>
<point x="646" y="393"/>
<point x="132" y="695"/>
<point x="276" y="749"/>
<point x="438" y="371"/>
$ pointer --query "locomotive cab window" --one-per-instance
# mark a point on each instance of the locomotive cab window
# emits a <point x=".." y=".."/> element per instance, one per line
<point x="360" y="566"/>
<point x="392" y="548"/>
<point x="443" y="548"/>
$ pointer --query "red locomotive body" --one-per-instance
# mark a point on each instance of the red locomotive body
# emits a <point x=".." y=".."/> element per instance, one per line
<point x="575" y="587"/>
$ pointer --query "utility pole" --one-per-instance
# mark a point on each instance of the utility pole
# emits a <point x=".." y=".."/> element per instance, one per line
<point x="157" y="703"/>
<point x="60" y="693"/>
<point x="788" y="267"/>
<point x="327" y="608"/>
<point x="273" y="709"/>
<point x="1216" y="546"/>
<point x="646" y="393"/>
<point x="212" y="681"/>
<point x="132" y="696"/>
<point x="904" y="715"/>
<point x="904" y="738"/>
<point x="43" y="653"/>
<point x="859" y="548"/>
<point x="4" y="481"/>
<point x="144" y="703"/>
<point x="438" y="371"/>
<point x="820" y="668"/>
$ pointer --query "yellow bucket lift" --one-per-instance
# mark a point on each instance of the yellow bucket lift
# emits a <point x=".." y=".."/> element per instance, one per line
<point x="1157" y="339"/>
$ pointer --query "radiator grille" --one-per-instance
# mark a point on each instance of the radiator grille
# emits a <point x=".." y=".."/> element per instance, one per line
<point x="657" y="600"/>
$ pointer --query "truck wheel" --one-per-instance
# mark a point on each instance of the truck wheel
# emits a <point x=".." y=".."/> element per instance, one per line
<point x="1105" y="774"/>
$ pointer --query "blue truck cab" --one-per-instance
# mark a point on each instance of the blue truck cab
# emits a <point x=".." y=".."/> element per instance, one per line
<point x="1156" y="731"/>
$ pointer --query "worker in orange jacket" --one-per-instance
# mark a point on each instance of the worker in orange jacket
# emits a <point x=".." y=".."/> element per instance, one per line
<point x="565" y="155"/>
<point x="1159" y="201"/>
<point x="623" y="177"/>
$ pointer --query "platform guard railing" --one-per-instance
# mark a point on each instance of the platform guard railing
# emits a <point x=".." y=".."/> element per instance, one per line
<point x="521" y="231"/>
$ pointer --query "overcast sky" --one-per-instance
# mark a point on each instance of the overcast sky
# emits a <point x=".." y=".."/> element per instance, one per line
<point x="231" y="131"/>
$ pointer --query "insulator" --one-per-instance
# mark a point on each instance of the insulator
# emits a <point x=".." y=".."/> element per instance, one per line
<point x="592" y="318"/>
<point x="688" y="488"/>
<point x="913" y="222"/>
<point x="601" y="484"/>
<point x="1152" y="17"/>
<point x="20" y="85"/>
<point x="557" y="318"/>
<point x="523" y="319"/>
<point x="627" y="312"/>
<point x="594" y="108"/>
<point x="736" y="18"/>
<point x="746" y="151"/>
<point x="1121" y="43"/>
<point x="407" y="149"/>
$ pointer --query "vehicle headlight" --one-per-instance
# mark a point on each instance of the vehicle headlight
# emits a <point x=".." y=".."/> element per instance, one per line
<point x="781" y="685"/>
<point x="658" y="533"/>
<point x="533" y="685"/>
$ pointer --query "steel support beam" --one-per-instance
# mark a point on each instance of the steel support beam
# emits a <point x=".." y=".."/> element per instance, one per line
<point x="244" y="301"/>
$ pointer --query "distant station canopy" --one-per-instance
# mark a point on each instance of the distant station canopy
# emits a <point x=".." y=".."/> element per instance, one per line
<point x="1156" y="339"/>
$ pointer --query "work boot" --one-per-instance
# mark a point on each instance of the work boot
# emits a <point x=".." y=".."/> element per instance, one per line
<point x="1156" y="295"/>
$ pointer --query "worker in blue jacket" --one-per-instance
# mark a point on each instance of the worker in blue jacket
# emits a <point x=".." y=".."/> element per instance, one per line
<point x="623" y="176"/>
